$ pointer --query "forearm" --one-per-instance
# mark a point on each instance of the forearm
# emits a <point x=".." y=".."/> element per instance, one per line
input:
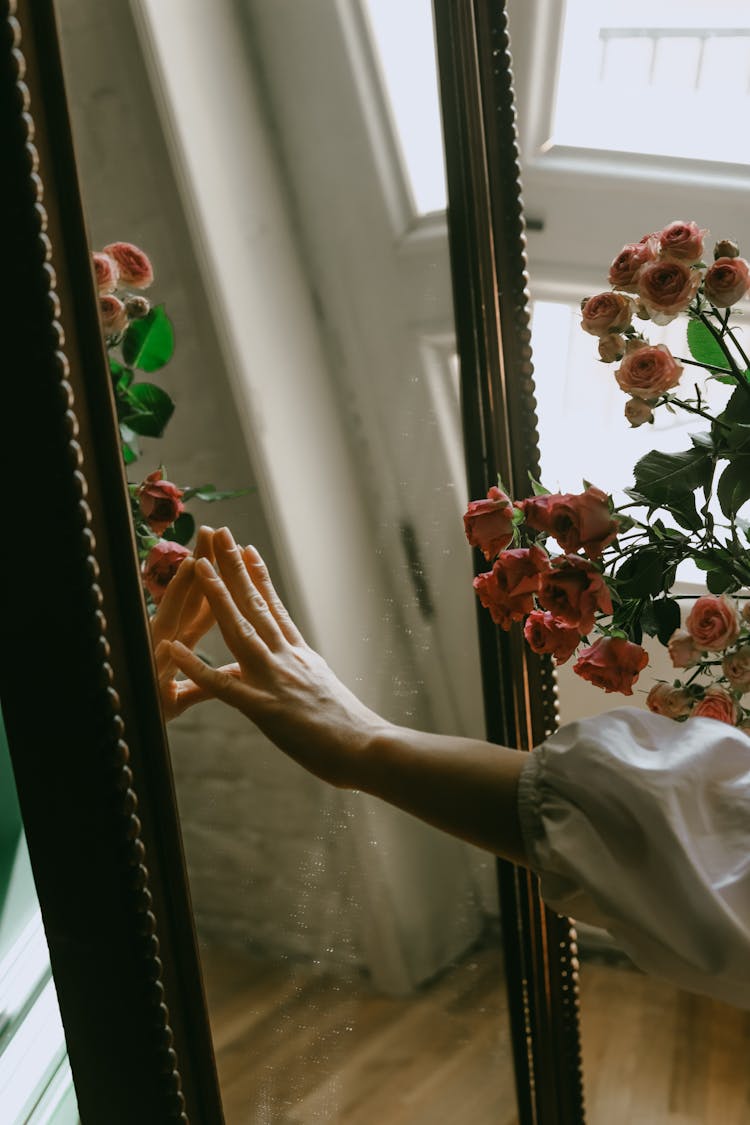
<point x="460" y="785"/>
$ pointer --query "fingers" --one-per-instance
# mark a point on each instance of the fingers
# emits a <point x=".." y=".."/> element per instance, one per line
<point x="260" y="577"/>
<point x="247" y="598"/>
<point x="196" y="617"/>
<point x="204" y="682"/>
<point x="165" y="621"/>
<point x="238" y="631"/>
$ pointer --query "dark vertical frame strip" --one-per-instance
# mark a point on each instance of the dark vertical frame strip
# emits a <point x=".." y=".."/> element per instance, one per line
<point x="76" y="681"/>
<point x="499" y="412"/>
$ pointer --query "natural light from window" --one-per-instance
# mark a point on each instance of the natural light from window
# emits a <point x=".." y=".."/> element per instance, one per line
<point x="656" y="77"/>
<point x="404" y="38"/>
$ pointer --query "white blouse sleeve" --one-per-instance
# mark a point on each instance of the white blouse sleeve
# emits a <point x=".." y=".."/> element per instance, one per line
<point x="641" y="825"/>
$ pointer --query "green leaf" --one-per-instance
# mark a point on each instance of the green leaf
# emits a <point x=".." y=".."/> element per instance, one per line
<point x="719" y="580"/>
<point x="666" y="615"/>
<point x="152" y="409"/>
<point x="130" y="449"/>
<point x="667" y="480"/>
<point x="209" y="494"/>
<point x="641" y="574"/>
<point x="538" y="488"/>
<point x="182" y="530"/>
<point x="733" y="489"/>
<point x="704" y="347"/>
<point x="149" y="343"/>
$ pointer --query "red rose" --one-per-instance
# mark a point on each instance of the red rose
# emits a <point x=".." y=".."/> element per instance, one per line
<point x="160" y="502"/>
<point x="134" y="266"/>
<point x="573" y="590"/>
<point x="106" y="271"/>
<point x="612" y="663"/>
<point x="625" y="268"/>
<point x="489" y="523"/>
<point x="666" y="288"/>
<point x="507" y="591"/>
<point x="161" y="565"/>
<point x="713" y="623"/>
<point x="113" y="315"/>
<point x="648" y="372"/>
<point x="545" y="634"/>
<point x="683" y="241"/>
<point x="605" y="314"/>
<point x="577" y="521"/>
<point x="726" y="282"/>
<point x="717" y="704"/>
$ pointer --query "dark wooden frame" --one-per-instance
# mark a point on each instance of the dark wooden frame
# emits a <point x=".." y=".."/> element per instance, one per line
<point x="77" y="684"/>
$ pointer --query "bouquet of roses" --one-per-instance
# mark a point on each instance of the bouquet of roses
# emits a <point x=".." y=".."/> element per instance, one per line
<point x="611" y="578"/>
<point x="140" y="339"/>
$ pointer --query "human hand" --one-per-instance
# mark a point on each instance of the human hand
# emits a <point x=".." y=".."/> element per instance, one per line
<point x="183" y="614"/>
<point x="278" y="682"/>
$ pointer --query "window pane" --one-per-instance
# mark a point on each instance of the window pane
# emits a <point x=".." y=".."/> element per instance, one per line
<point x="656" y="77"/>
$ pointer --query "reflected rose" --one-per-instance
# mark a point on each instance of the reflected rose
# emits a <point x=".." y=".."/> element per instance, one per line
<point x="135" y="268"/>
<point x="160" y="502"/>
<point x="161" y="565"/>
<point x="114" y="316"/>
<point x="106" y="272"/>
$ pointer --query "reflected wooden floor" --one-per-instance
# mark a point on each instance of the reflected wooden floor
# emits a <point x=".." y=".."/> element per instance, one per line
<point x="298" y="1047"/>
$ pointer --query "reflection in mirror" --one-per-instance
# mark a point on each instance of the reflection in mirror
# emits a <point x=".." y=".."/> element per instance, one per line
<point x="36" y="1085"/>
<point x="352" y="956"/>
<point x="587" y="201"/>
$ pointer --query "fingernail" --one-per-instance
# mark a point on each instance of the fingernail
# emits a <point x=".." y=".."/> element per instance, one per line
<point x="224" y="538"/>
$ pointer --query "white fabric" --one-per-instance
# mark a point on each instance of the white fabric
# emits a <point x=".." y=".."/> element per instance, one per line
<point x="641" y="825"/>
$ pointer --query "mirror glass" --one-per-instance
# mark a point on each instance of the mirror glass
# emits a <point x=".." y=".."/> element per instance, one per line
<point x="352" y="957"/>
<point x="604" y="161"/>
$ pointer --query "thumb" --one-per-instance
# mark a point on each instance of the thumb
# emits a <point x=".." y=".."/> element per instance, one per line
<point x="220" y="683"/>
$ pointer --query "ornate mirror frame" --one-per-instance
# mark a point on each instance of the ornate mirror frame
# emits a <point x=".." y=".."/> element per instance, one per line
<point x="77" y="684"/>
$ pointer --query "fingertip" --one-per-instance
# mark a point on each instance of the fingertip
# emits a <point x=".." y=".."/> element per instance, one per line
<point x="204" y="569"/>
<point x="224" y="539"/>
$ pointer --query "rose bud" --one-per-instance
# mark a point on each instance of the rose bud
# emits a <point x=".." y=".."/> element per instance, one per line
<point x="682" y="650"/>
<point x="611" y="348"/>
<point x="612" y="663"/>
<point x="545" y="634"/>
<point x="726" y="282"/>
<point x="161" y="565"/>
<point x="649" y="372"/>
<point x="113" y="315"/>
<point x="624" y="269"/>
<point x="666" y="288"/>
<point x="713" y="623"/>
<point x="489" y="523"/>
<point x="134" y="266"/>
<point x="675" y="703"/>
<point x="683" y="241"/>
<point x="726" y="249"/>
<point x="637" y="412"/>
<point x="106" y="272"/>
<point x="573" y="590"/>
<point x="507" y="591"/>
<point x="634" y="343"/>
<point x="581" y="522"/>
<point x="717" y="704"/>
<point x="137" y="307"/>
<point x="160" y="502"/>
<point x="606" y="313"/>
<point x="736" y="668"/>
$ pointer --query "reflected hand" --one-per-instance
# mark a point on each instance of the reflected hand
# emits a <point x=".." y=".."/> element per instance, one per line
<point x="278" y="682"/>
<point x="183" y="614"/>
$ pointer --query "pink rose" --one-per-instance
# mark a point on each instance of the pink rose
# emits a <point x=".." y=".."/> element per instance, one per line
<point x="134" y="266"/>
<point x="545" y="634"/>
<point x="713" y="623"/>
<point x="106" y="272"/>
<point x="683" y="241"/>
<point x="161" y="565"/>
<point x="612" y="663"/>
<point x="160" y="502"/>
<point x="717" y="704"/>
<point x="736" y="668"/>
<point x="611" y="348"/>
<point x="578" y="522"/>
<point x="682" y="650"/>
<point x="113" y="315"/>
<point x="637" y="412"/>
<point x="573" y="590"/>
<point x="746" y="612"/>
<point x="489" y="523"/>
<point x="666" y="288"/>
<point x="507" y="591"/>
<point x="726" y="282"/>
<point x="606" y="313"/>
<point x="625" y="268"/>
<point x="675" y="703"/>
<point x="648" y="372"/>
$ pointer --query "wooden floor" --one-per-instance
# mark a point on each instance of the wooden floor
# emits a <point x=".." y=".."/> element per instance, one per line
<point x="296" y="1047"/>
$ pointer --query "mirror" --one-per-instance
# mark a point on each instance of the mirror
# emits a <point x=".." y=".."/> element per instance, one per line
<point x="113" y="802"/>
